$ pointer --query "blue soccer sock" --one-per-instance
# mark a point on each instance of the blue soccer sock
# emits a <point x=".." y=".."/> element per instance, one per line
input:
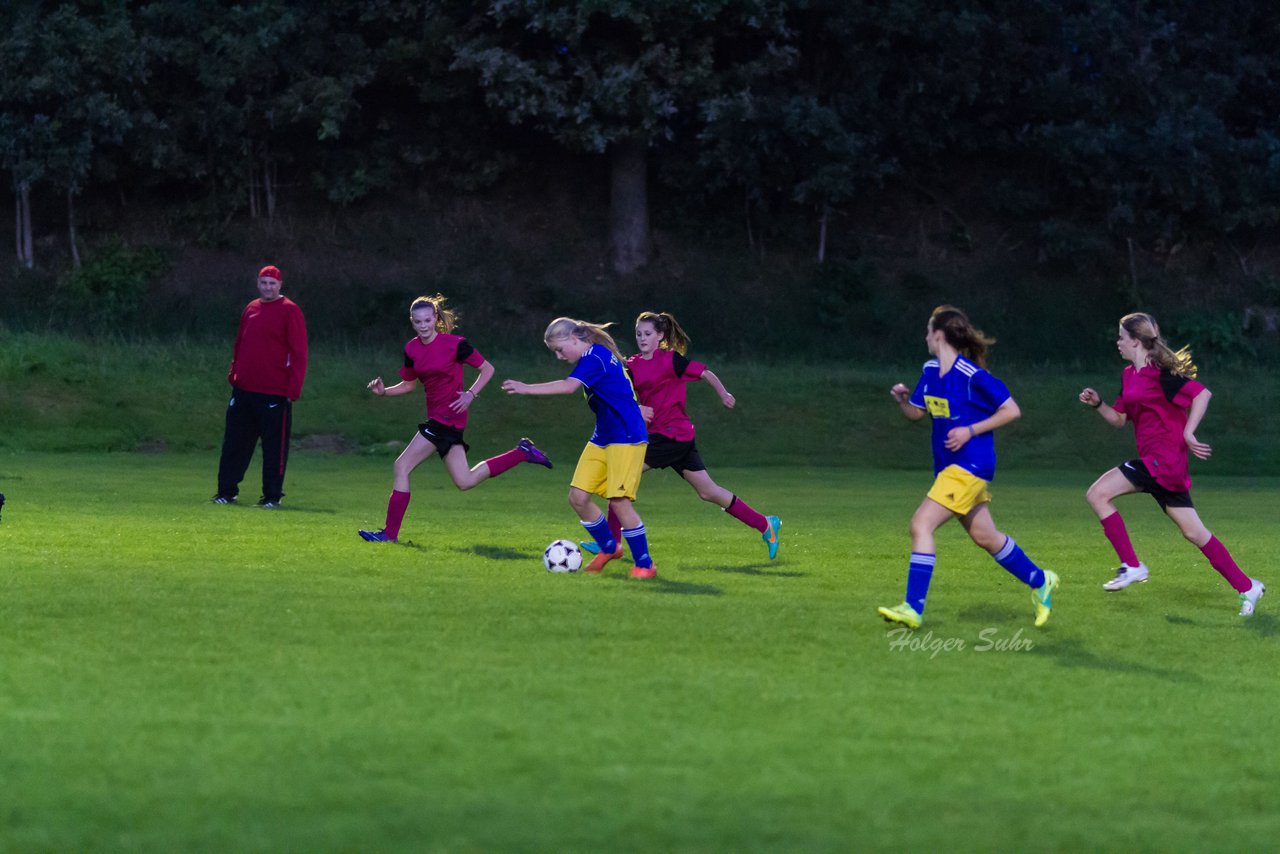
<point x="1021" y="567"/>
<point x="599" y="531"/>
<point x="639" y="545"/>
<point x="919" y="574"/>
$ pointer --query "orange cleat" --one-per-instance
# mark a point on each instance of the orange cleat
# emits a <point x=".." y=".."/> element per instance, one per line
<point x="644" y="572"/>
<point x="598" y="562"/>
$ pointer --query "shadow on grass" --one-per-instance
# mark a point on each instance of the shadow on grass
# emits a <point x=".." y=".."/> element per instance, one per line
<point x="1074" y="653"/>
<point x="1263" y="625"/>
<point x="497" y="553"/>
<point x="989" y="613"/>
<point x="667" y="586"/>
<point x="760" y="569"/>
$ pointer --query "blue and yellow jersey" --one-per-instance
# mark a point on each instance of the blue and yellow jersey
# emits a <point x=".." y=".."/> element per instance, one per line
<point x="965" y="395"/>
<point x="611" y="397"/>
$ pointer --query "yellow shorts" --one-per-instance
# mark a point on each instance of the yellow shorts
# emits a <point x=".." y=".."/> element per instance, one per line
<point x="610" y="472"/>
<point x="958" y="490"/>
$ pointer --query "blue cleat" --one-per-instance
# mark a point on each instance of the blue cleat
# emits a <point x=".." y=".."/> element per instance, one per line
<point x="591" y="547"/>
<point x="531" y="452"/>
<point x="770" y="535"/>
<point x="376" y="537"/>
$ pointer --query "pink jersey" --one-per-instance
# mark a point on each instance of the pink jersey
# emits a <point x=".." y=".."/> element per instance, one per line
<point x="438" y="366"/>
<point x="1156" y="402"/>
<point x="660" y="384"/>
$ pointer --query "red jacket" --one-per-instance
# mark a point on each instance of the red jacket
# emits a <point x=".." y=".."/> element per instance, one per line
<point x="270" y="355"/>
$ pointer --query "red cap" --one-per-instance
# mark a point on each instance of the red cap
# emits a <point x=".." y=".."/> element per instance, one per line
<point x="271" y="273"/>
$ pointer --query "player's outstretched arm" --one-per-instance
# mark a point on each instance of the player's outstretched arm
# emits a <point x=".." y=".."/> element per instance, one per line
<point x="714" y="381"/>
<point x="1090" y="397"/>
<point x="403" y="387"/>
<point x="564" y="386"/>
<point x="902" y="395"/>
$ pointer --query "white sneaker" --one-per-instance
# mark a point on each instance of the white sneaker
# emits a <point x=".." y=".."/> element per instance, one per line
<point x="1249" y="600"/>
<point x="1126" y="575"/>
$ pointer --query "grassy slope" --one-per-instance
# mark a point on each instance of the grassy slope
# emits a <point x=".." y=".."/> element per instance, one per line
<point x="184" y="676"/>
<point x="67" y="394"/>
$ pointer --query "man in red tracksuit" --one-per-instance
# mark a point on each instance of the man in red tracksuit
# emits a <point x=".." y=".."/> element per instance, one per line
<point x="268" y="366"/>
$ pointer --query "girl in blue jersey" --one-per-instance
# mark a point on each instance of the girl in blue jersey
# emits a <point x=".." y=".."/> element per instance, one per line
<point x="966" y="404"/>
<point x="611" y="463"/>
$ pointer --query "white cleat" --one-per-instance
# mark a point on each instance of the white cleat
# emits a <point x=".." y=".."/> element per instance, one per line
<point x="1126" y="575"/>
<point x="1249" y="600"/>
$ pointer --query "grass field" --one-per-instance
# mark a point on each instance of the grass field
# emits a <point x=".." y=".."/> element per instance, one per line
<point x="182" y="676"/>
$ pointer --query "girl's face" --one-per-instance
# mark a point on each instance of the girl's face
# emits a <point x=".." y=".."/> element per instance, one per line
<point x="647" y="338"/>
<point x="568" y="349"/>
<point x="1131" y="349"/>
<point x="423" y="319"/>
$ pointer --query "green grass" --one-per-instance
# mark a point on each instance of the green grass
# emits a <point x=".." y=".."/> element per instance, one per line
<point x="68" y="394"/>
<point x="181" y="676"/>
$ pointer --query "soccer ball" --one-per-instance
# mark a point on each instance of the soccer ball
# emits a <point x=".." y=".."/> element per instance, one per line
<point x="562" y="556"/>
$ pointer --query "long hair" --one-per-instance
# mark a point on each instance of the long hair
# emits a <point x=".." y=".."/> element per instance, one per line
<point x="594" y="333"/>
<point x="673" y="336"/>
<point x="970" y="341"/>
<point x="446" y="318"/>
<point x="1144" y="328"/>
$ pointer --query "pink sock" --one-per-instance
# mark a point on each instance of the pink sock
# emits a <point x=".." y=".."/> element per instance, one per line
<point x="743" y="512"/>
<point x="615" y="527"/>
<point x="1113" y="527"/>
<point x="1221" y="560"/>
<point x="396" y="505"/>
<point x="505" y="462"/>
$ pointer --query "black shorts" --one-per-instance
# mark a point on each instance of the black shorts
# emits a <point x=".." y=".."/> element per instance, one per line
<point x="442" y="436"/>
<point x="667" y="453"/>
<point x="1137" y="473"/>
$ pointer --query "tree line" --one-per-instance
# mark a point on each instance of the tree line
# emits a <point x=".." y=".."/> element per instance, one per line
<point x="1149" y="124"/>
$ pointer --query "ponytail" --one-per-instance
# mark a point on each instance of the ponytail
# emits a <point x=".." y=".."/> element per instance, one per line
<point x="673" y="336"/>
<point x="593" y="333"/>
<point x="969" y="341"/>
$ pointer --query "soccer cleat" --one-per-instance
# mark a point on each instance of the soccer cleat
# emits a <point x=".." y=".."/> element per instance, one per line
<point x="1126" y="575"/>
<point x="1" y="500"/>
<point x="269" y="503"/>
<point x="770" y="535"/>
<point x="1042" y="595"/>
<point x="223" y="499"/>
<point x="531" y="452"/>
<point x="644" y="572"/>
<point x="376" y="536"/>
<point x="904" y="613"/>
<point x="593" y="547"/>
<point x="1249" y="599"/>
<point x="598" y="562"/>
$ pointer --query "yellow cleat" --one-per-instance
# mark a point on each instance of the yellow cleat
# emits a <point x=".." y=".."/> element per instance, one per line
<point x="1041" y="596"/>
<point x="903" y="613"/>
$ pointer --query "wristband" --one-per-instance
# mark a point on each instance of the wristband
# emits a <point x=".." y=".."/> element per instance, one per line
<point x="971" y="431"/>
<point x="1098" y="405"/>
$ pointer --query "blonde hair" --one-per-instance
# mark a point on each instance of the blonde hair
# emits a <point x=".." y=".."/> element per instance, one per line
<point x="664" y="323"/>
<point x="594" y="333"/>
<point x="1146" y="331"/>
<point x="960" y="333"/>
<point x="446" y="318"/>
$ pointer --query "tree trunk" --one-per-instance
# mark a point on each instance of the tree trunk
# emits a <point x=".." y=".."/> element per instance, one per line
<point x="822" y="234"/>
<point x="71" y="229"/>
<point x="269" y="185"/>
<point x="629" y="238"/>
<point x="22" y="225"/>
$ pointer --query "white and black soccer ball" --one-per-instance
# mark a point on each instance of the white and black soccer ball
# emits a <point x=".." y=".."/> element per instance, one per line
<point x="562" y="556"/>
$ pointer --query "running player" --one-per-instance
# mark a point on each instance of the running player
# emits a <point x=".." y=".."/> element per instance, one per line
<point x="966" y="404"/>
<point x="612" y="461"/>
<point x="661" y="373"/>
<point x="1160" y="395"/>
<point x="435" y="358"/>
